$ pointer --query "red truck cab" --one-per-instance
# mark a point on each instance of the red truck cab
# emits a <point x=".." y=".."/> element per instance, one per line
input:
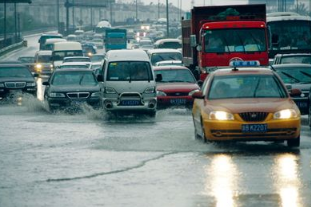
<point x="217" y="35"/>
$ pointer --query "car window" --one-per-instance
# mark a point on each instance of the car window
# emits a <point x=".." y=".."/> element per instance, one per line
<point x="177" y="75"/>
<point x="129" y="71"/>
<point x="14" y="72"/>
<point x="296" y="59"/>
<point x="246" y="86"/>
<point x="74" y="78"/>
<point x="157" y="57"/>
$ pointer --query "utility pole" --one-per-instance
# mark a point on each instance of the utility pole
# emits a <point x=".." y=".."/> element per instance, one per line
<point x="4" y="24"/>
<point x="57" y="15"/>
<point x="136" y="11"/>
<point x="158" y="9"/>
<point x="15" y="21"/>
<point x="167" y="21"/>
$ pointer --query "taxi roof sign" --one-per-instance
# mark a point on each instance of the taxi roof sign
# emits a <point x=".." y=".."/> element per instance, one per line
<point x="238" y="63"/>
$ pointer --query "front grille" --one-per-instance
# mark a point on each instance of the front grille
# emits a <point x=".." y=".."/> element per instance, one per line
<point x="254" y="116"/>
<point x="15" y="84"/>
<point x="75" y="95"/>
<point x="177" y="94"/>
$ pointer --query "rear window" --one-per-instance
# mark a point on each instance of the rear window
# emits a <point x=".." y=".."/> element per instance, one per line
<point x="296" y="59"/>
<point x="157" y="57"/>
<point x="129" y="71"/>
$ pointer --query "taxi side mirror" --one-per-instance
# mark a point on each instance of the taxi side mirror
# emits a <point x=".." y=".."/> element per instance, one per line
<point x="198" y="95"/>
<point x="295" y="92"/>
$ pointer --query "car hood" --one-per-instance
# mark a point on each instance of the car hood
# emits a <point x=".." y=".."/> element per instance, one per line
<point x="74" y="88"/>
<point x="302" y="87"/>
<point x="17" y="79"/>
<point x="252" y="105"/>
<point x="182" y="87"/>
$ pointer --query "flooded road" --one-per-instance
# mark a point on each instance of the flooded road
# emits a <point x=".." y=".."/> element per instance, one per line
<point x="88" y="159"/>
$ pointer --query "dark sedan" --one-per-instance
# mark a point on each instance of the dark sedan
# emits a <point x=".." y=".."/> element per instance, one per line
<point x="71" y="88"/>
<point x="297" y="76"/>
<point x="16" y="79"/>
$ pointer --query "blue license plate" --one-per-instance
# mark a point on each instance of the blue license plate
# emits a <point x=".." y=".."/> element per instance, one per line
<point x="178" y="101"/>
<point x="250" y="128"/>
<point x="130" y="102"/>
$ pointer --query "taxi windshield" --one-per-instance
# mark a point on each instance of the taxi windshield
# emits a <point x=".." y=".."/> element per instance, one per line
<point x="246" y="86"/>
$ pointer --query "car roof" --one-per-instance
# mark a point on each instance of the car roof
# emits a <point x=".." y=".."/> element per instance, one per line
<point x="167" y="40"/>
<point x="127" y="55"/>
<point x="164" y="50"/>
<point x="291" y="65"/>
<point x="73" y="70"/>
<point x="44" y="52"/>
<point x="294" y="54"/>
<point x="76" y="63"/>
<point x="77" y="57"/>
<point x="170" y="67"/>
<point x="243" y="71"/>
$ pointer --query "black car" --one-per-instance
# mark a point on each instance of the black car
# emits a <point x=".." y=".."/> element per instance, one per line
<point x="16" y="78"/>
<point x="71" y="88"/>
<point x="297" y="76"/>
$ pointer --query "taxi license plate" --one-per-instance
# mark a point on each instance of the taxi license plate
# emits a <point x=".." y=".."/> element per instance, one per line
<point x="178" y="101"/>
<point x="130" y="103"/>
<point x="249" y="128"/>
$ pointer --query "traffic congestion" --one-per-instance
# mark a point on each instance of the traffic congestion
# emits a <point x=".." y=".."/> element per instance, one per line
<point x="218" y="113"/>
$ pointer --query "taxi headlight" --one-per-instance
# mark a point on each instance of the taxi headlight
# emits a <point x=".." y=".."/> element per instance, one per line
<point x="95" y="94"/>
<point x="57" y="95"/>
<point x="285" y="114"/>
<point x="221" y="116"/>
<point x="161" y="93"/>
<point x="110" y="90"/>
<point x="149" y="90"/>
<point x="192" y="92"/>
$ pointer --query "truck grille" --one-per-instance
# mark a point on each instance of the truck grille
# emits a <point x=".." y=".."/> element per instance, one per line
<point x="15" y="84"/>
<point x="76" y="95"/>
<point x="254" y="116"/>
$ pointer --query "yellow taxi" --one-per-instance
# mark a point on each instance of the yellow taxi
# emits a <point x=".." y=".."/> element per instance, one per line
<point x="246" y="104"/>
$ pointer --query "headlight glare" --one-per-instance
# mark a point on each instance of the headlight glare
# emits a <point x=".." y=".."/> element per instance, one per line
<point x="38" y="66"/>
<point x="33" y="84"/>
<point x="95" y="94"/>
<point x="285" y="114"/>
<point x="221" y="116"/>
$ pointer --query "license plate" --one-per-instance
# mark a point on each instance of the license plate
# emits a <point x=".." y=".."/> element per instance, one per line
<point x="302" y="104"/>
<point x="178" y="101"/>
<point x="249" y="128"/>
<point x="130" y="102"/>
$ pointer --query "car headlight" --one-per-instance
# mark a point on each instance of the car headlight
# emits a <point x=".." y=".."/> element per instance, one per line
<point x="95" y="94"/>
<point x="221" y="116"/>
<point x="192" y="92"/>
<point x="38" y="66"/>
<point x="1" y="85"/>
<point x="90" y="54"/>
<point x="110" y="90"/>
<point x="150" y="90"/>
<point x="285" y="114"/>
<point x="32" y="84"/>
<point x="161" y="93"/>
<point x="57" y="95"/>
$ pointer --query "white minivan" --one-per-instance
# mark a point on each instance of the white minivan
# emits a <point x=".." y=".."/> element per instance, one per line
<point x="129" y="83"/>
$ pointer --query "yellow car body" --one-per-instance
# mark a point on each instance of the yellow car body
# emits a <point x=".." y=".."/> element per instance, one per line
<point x="246" y="118"/>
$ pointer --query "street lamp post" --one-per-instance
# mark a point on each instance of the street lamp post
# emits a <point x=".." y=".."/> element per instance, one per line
<point x="136" y="11"/>
<point x="4" y="24"/>
<point x="167" y="20"/>
<point x="158" y="9"/>
<point x="57" y="15"/>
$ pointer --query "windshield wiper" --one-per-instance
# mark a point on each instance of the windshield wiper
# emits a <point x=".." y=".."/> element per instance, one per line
<point x="81" y="80"/>
<point x="305" y="73"/>
<point x="290" y="76"/>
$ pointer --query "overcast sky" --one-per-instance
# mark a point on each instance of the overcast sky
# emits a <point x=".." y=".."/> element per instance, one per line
<point x="186" y="4"/>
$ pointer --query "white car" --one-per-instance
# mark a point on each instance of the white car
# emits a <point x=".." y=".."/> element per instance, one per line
<point x="75" y="65"/>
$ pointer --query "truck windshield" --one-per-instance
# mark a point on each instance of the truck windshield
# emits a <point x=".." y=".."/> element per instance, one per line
<point x="235" y="40"/>
<point x="290" y="35"/>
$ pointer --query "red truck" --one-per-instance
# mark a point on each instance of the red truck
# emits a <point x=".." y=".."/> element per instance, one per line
<point x="217" y="35"/>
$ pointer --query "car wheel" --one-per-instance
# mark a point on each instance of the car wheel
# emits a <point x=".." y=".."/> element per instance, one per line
<point x="203" y="131"/>
<point x="294" y="142"/>
<point x="196" y="135"/>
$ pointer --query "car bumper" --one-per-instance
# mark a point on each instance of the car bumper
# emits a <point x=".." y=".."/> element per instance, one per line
<point x="4" y="92"/>
<point x="232" y="130"/>
<point x="113" y="104"/>
<point x="76" y="103"/>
